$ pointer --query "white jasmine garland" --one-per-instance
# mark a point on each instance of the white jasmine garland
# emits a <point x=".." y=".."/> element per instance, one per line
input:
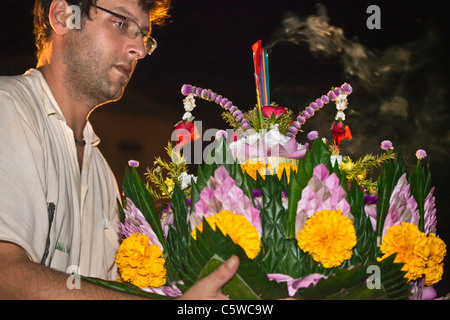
<point x="340" y="115"/>
<point x="187" y="115"/>
<point x="189" y="103"/>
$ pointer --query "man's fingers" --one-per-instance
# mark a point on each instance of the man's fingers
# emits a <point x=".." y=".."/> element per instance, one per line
<point x="210" y="287"/>
<point x="225" y="272"/>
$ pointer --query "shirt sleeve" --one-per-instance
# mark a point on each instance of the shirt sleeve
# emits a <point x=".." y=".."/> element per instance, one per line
<point x="23" y="205"/>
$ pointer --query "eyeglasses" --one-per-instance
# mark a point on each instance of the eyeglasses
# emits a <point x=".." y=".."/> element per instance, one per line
<point x="132" y="30"/>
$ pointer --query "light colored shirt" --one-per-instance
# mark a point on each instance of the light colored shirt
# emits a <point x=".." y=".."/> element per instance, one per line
<point x="63" y="218"/>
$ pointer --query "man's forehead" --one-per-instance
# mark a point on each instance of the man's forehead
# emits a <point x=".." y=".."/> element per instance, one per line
<point x="129" y="8"/>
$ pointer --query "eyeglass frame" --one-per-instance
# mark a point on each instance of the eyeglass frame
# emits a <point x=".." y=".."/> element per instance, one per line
<point x="149" y="48"/>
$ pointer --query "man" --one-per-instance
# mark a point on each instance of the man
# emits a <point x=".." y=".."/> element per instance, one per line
<point x="58" y="210"/>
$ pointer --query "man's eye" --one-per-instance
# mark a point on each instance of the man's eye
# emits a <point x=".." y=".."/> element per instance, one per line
<point x="119" y="23"/>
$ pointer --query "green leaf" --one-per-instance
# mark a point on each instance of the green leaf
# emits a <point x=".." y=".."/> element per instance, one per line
<point x="213" y="248"/>
<point x="121" y="212"/>
<point x="298" y="182"/>
<point x="366" y="247"/>
<point x="353" y="283"/>
<point x="135" y="189"/>
<point x="390" y="173"/>
<point x="417" y="181"/>
<point x="178" y="235"/>
<point x="320" y="154"/>
<point x="124" y="288"/>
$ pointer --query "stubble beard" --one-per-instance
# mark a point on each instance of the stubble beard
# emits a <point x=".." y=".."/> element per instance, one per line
<point x="87" y="74"/>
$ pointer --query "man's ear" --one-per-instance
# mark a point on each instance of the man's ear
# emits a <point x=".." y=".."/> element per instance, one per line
<point x="58" y="15"/>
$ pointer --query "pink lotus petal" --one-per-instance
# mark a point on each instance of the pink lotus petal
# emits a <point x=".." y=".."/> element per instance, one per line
<point x="430" y="213"/>
<point x="135" y="222"/>
<point x="323" y="192"/>
<point x="295" y="284"/>
<point x="402" y="206"/>
<point x="222" y="193"/>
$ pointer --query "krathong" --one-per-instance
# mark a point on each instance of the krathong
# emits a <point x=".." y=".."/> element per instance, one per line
<point x="305" y="220"/>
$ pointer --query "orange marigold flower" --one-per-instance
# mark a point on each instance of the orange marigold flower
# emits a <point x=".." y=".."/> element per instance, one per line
<point x="328" y="237"/>
<point x="411" y="247"/>
<point x="240" y="230"/>
<point x="140" y="263"/>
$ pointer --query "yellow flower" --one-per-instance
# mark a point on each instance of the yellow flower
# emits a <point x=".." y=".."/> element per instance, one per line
<point x="240" y="230"/>
<point x="170" y="184"/>
<point x="288" y="167"/>
<point x="434" y="268"/>
<point x="252" y="166"/>
<point x="347" y="166"/>
<point x="411" y="247"/>
<point x="329" y="237"/>
<point x="140" y="263"/>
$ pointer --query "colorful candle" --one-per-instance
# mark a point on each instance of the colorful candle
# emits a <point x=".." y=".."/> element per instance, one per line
<point x="261" y="65"/>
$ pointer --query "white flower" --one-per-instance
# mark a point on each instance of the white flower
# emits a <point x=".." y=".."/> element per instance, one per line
<point x="341" y="102"/>
<point x="341" y="97"/>
<point x="189" y="103"/>
<point x="341" y="106"/>
<point x="187" y="115"/>
<point x="340" y="115"/>
<point x="185" y="179"/>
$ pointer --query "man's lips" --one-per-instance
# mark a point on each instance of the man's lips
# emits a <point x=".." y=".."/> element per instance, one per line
<point x="125" y="69"/>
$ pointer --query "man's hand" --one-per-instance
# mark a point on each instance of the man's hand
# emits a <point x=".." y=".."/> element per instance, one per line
<point x="209" y="288"/>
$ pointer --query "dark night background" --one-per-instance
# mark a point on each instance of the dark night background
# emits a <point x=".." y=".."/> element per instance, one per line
<point x="399" y="74"/>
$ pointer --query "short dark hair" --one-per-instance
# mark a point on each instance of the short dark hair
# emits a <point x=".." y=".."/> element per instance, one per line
<point x="158" y="9"/>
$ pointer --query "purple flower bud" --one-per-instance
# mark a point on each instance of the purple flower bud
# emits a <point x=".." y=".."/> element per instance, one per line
<point x="213" y="96"/>
<point x="204" y="93"/>
<point x="346" y="88"/>
<point x="245" y="126"/>
<point x="293" y="129"/>
<point x="312" y="135"/>
<point x="198" y="91"/>
<point x="186" y="89"/>
<point x="256" y="193"/>
<point x="421" y="154"/>
<point x="331" y="95"/>
<point x="337" y="91"/>
<point x="233" y="109"/>
<point x="314" y="106"/>
<point x="319" y="103"/>
<point x="301" y="120"/>
<point x="386" y="145"/>
<point x="296" y="124"/>
<point x="368" y="200"/>
<point x="223" y="102"/>
<point x="306" y="114"/>
<point x="239" y="117"/>
<point x="221" y="134"/>
<point x="290" y="134"/>
<point x="133" y="163"/>
<point x="218" y="99"/>
<point x="310" y="111"/>
<point x="325" y="99"/>
<point x="228" y="105"/>
<point x="236" y="113"/>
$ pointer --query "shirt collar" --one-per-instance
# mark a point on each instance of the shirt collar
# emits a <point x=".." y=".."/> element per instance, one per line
<point x="52" y="108"/>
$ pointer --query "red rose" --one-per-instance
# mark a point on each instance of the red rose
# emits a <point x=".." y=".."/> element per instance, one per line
<point x="340" y="132"/>
<point x="186" y="130"/>
<point x="267" y="111"/>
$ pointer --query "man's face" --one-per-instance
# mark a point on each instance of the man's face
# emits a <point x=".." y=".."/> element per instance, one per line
<point x="100" y="58"/>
